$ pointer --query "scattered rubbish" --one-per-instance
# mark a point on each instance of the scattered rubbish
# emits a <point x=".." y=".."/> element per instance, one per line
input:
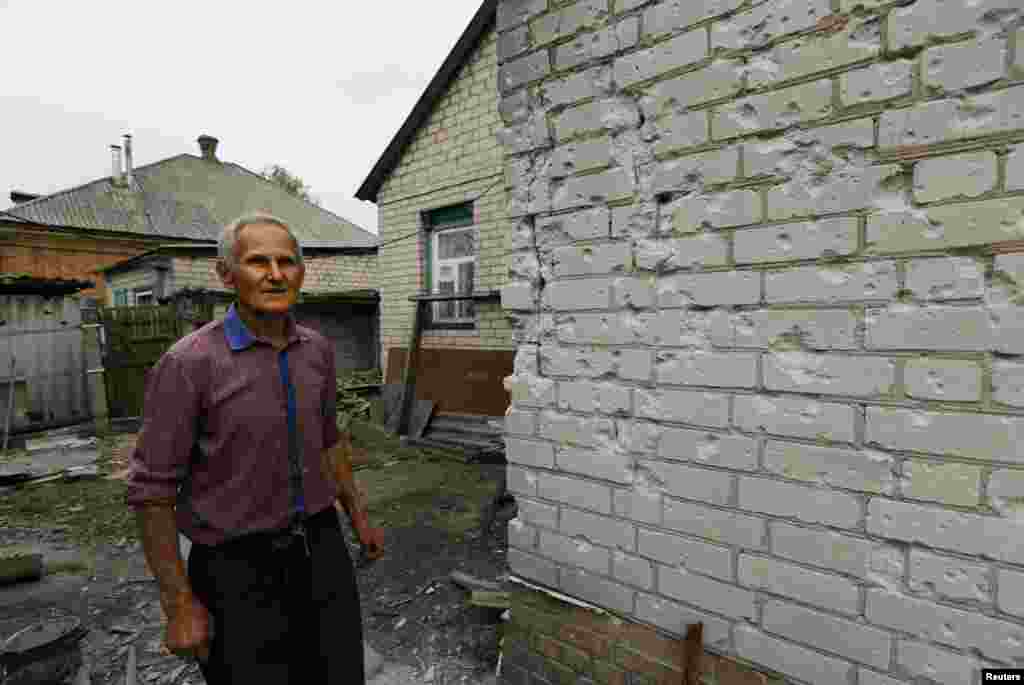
<point x="506" y="615"/>
<point x="490" y="599"/>
<point x="430" y="590"/>
<point x="472" y="582"/>
<point x="19" y="566"/>
<point x="401" y="622"/>
<point x="88" y="471"/>
<point x="46" y="652"/>
<point x="130" y="677"/>
<point x="84" y="676"/>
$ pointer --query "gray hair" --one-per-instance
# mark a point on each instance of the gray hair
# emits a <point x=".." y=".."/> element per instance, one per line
<point x="229" y="236"/>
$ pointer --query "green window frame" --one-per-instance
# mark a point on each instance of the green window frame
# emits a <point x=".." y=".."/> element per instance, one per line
<point x="452" y="250"/>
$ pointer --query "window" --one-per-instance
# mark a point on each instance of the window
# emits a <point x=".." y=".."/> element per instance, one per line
<point x="452" y="261"/>
<point x="121" y="297"/>
<point x="144" y="297"/>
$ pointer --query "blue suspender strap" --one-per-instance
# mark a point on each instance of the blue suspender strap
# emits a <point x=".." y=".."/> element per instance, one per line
<point x="298" y="504"/>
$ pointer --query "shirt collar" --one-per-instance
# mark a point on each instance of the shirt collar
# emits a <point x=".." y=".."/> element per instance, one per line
<point x="239" y="337"/>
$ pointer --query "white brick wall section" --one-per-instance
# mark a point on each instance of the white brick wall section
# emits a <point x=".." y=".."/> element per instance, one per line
<point x="784" y="656"/>
<point x="628" y="364"/>
<point x="911" y="327"/>
<point x="644" y="505"/>
<point x="717" y="166"/>
<point x="1006" y="492"/>
<point x="600" y="43"/>
<point x="917" y="659"/>
<point x="719" y="79"/>
<point x="636" y="293"/>
<point x="850" y="186"/>
<point x="794" y="417"/>
<point x="938" y="121"/>
<point x="947" y="278"/>
<point x="530" y="453"/>
<point x="716" y="210"/>
<point x="790" y="500"/>
<point x="574" y="552"/>
<point x="639" y="436"/>
<point x="522" y="423"/>
<point x="876" y="82"/>
<point x="703" y="592"/>
<point x="521" y="535"/>
<point x="709" y="290"/>
<point x="807" y="240"/>
<point x="833" y="283"/>
<point x="665" y="256"/>
<point x="913" y="25"/>
<point x="757" y="26"/>
<point x="698" y="367"/>
<point x="871" y="560"/>
<point x="850" y="640"/>
<point x="971" y="534"/>
<point x="604" y="329"/>
<point x="1011" y="592"/>
<point x="583" y="225"/>
<point x="575" y="491"/>
<point x="1015" y="160"/>
<point x="717" y="525"/>
<point x="692" y="483"/>
<point x="948" y="483"/>
<point x="816" y="329"/>
<point x="1008" y="383"/>
<point x="676" y="14"/>
<point x="865" y="470"/>
<point x="532" y="567"/>
<point x="969" y="436"/>
<point x="945" y="226"/>
<point x="674" y="618"/>
<point x="632" y="570"/>
<point x="714" y="449"/>
<point x="603" y="530"/>
<point x="964" y="65"/>
<point x="597" y="590"/>
<point x="565" y="429"/>
<point x="537" y="513"/>
<point x="589" y="397"/>
<point x="687" y="553"/>
<point x="686" y="48"/>
<point x="590" y="259"/>
<point x="789" y="580"/>
<point x="828" y="374"/>
<point x="601" y="463"/>
<point x="772" y="110"/>
<point x="685" y="130"/>
<point x="993" y="638"/>
<point x="866" y="677"/>
<point x="784" y="155"/>
<point x="948" y="578"/>
<point x="699" y="408"/>
<point x="585" y="84"/>
<point x="966" y="175"/>
<point x="521" y="481"/>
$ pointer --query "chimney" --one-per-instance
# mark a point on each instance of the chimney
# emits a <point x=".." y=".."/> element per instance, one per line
<point x="18" y="196"/>
<point x="116" y="175"/>
<point x="208" y="147"/>
<point x="128" y="168"/>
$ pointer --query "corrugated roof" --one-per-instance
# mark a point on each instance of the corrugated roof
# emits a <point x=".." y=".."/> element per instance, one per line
<point x="187" y="197"/>
<point x="27" y="284"/>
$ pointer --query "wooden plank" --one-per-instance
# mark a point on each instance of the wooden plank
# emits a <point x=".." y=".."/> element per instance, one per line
<point x="411" y="362"/>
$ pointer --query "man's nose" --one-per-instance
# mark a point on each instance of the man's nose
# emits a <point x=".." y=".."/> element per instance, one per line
<point x="275" y="271"/>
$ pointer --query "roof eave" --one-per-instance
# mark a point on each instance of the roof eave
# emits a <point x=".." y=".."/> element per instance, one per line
<point x="468" y="41"/>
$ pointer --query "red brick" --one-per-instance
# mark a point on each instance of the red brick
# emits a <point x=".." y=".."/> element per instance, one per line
<point x="591" y="642"/>
<point x="648" y="641"/>
<point x="549" y="647"/>
<point x="1008" y="246"/>
<point x="833" y="23"/>
<point x="639" y="663"/>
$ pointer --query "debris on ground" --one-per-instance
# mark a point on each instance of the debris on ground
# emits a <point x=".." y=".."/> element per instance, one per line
<point x="18" y="566"/>
<point x="472" y="582"/>
<point x="352" y="389"/>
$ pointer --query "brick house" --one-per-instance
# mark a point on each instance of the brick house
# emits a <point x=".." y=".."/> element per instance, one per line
<point x="441" y="198"/>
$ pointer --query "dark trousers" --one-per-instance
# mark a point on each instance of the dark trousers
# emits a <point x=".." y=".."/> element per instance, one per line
<point x="280" y="617"/>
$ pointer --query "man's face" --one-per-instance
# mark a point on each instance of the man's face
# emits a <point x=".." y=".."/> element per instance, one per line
<point x="268" y="276"/>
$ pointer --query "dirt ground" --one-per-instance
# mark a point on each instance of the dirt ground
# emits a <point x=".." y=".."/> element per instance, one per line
<point x="428" y="501"/>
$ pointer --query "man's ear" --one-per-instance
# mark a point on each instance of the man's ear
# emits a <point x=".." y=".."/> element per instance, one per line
<point x="227" y="276"/>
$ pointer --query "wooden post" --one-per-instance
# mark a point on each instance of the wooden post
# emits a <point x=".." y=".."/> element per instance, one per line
<point x="409" y="376"/>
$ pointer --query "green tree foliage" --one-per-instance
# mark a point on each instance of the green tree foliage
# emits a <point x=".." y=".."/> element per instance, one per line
<point x="292" y="184"/>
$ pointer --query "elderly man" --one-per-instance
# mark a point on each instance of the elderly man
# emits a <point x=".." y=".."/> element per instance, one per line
<point x="240" y="451"/>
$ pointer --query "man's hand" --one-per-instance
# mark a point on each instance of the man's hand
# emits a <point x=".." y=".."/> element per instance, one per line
<point x="188" y="628"/>
<point x="370" y="537"/>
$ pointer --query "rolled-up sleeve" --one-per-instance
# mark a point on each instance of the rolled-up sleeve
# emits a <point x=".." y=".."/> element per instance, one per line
<point x="171" y="413"/>
<point x="330" y="401"/>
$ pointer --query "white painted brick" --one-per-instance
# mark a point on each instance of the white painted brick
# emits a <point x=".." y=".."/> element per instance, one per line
<point x="953" y="483"/>
<point x="946" y="278"/>
<point x="806" y="240"/>
<point x="521" y="481"/>
<point x="864" y="676"/>
<point x="812" y="587"/>
<point x="581" y="155"/>
<point x="851" y="640"/>
<point x="590" y="83"/>
<point x="857" y="40"/>
<point x="1018" y="56"/>
<point x="913" y="25"/>
<point x="562" y="429"/>
<point x="816" y="329"/>
<point x="574" y="552"/>
<point x="712" y="595"/>
<point x="597" y="44"/>
<point x="716" y="525"/>
<point x="591" y="259"/>
<point x="564" y="228"/>
<point x="788" y="658"/>
<point x="876" y="82"/>
<point x="774" y="110"/>
<point x="709" y="290"/>
<point x="1011" y="592"/>
<point x="794" y="417"/>
<point x="633" y="221"/>
<point x="589" y="362"/>
<point x="699" y="367"/>
<point x="665" y="256"/>
<point x="937" y="623"/>
<point x="563" y="22"/>
<point x="528" y="389"/>
<point x="675" y="618"/>
<point x="605" y="329"/>
<point x="1015" y="160"/>
<point x="833" y="283"/>
<point x="948" y="578"/>
<point x="532" y="567"/>
<point x="967" y="175"/>
<point x="684" y="406"/>
<point x="639" y="436"/>
<point x="715" y="449"/>
<point x="518" y="422"/>
<point x="514" y="12"/>
<point x="796" y="149"/>
<point x="1007" y="328"/>
<point x="644" y="506"/>
<point x="847" y="187"/>
<point x="520" y="295"/>
<point x="521" y="535"/>
<point x="530" y="452"/>
<point x="687" y="553"/>
<point x="1011" y="266"/>
<point x="632" y="570"/>
<point x="595" y="463"/>
<point x="690" y="329"/>
<point x="1008" y="383"/>
<point x="602" y="530"/>
<point x="910" y="327"/>
<point x="934" y="526"/>
<point x="633" y="292"/>
<point x="722" y="78"/>
<point x="859" y="557"/>
<point x="518" y="72"/>
<point x="943" y="379"/>
<point x="789" y="500"/>
<point x="917" y="659"/>
<point x="863" y="470"/>
<point x="537" y="513"/>
<point x="588" y="397"/>
<point x="672" y="15"/>
<point x="587" y="293"/>
<point x="943" y="120"/>
<point x="692" y="213"/>
<point x="763" y="23"/>
<point x="828" y="374"/>
<point x="1006" y="492"/>
<point x="958" y="225"/>
<point x="606" y="186"/>
<point x="597" y="590"/>
<point x="682" y="130"/>
<point x="576" y="491"/>
<point x="684" y="49"/>
<point x="686" y="173"/>
<point x="969" y="436"/>
<point x="688" y="482"/>
<point x="964" y="65"/>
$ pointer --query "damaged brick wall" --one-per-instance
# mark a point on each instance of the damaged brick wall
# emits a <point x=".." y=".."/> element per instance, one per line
<point x="768" y="292"/>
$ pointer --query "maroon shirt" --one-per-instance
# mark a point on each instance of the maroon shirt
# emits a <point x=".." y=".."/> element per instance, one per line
<point x="215" y="422"/>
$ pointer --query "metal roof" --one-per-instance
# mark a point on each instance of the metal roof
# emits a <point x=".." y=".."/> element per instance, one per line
<point x="27" y="284"/>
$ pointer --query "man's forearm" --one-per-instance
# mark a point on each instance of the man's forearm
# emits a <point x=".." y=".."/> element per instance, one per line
<point x="159" y="532"/>
<point x="339" y="467"/>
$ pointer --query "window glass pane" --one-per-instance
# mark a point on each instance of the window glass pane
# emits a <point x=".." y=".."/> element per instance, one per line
<point x="446" y="310"/>
<point x="453" y="244"/>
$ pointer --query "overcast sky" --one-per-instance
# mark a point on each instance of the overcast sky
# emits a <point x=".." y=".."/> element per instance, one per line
<point x="319" y="87"/>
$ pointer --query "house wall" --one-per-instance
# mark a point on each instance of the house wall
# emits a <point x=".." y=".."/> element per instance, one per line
<point x="454" y="158"/>
<point x="38" y="251"/>
<point x="144" y="276"/>
<point x="769" y="373"/>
